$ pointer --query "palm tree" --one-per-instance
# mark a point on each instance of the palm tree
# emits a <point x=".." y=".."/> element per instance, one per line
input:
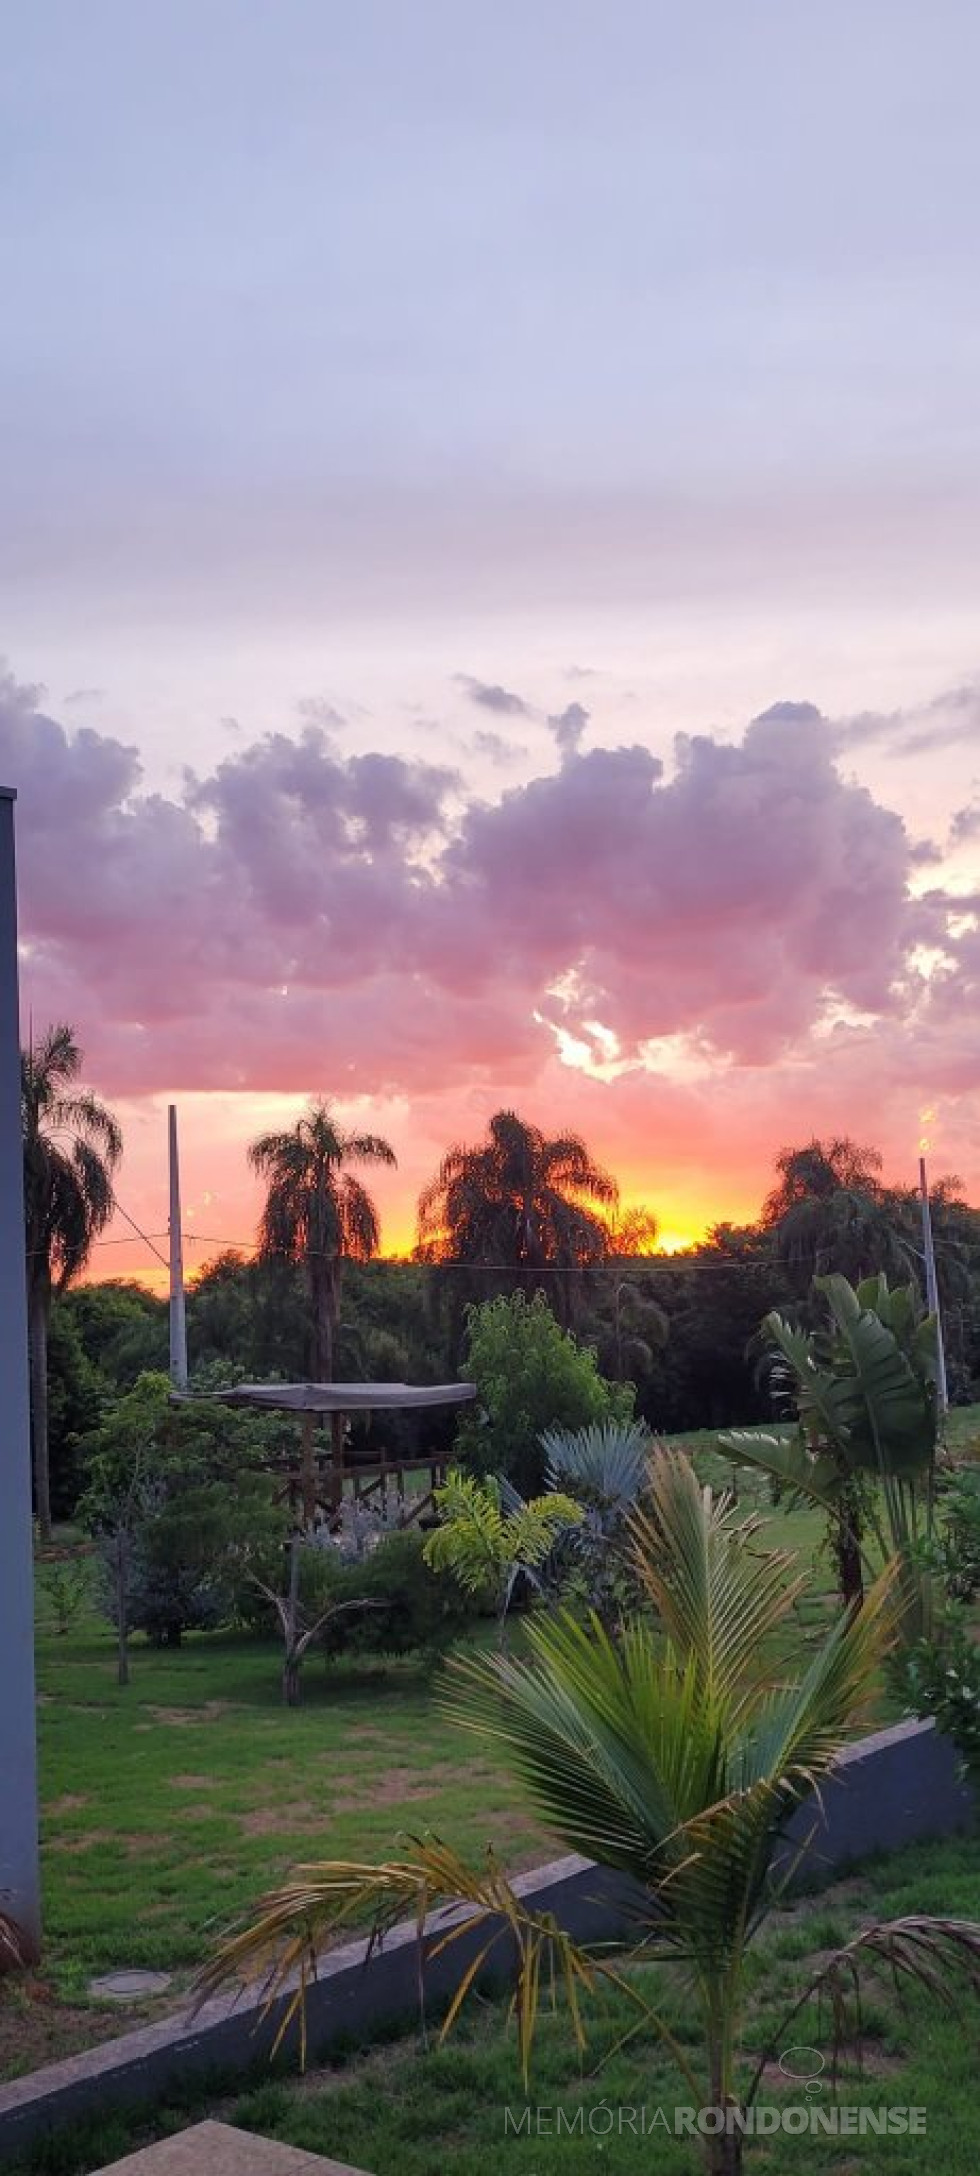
<point x="72" y="1145"/>
<point x="671" y="1757"/>
<point x="518" y="1202"/>
<point x="316" y="1213"/>
<point x="829" y="1211"/>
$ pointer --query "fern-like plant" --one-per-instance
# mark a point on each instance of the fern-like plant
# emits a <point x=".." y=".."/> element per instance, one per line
<point x="489" y="1538"/>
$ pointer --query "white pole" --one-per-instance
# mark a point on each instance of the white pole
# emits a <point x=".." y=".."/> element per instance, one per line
<point x="20" y="1879"/>
<point x="178" y="1321"/>
<point x="932" y="1290"/>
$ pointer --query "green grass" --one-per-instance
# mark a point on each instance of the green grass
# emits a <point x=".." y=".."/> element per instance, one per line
<point x="399" y="2110"/>
<point x="193" y="1788"/>
<point x="400" y="2113"/>
<point x="170" y="1805"/>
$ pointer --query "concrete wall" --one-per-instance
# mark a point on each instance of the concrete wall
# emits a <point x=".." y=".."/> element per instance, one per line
<point x="890" y="1789"/>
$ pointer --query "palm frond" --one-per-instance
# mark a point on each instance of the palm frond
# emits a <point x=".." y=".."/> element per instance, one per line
<point x="939" y="1955"/>
<point x="718" y="1599"/>
<point x="277" y="1955"/>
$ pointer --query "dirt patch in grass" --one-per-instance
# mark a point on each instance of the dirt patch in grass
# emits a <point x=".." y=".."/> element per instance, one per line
<point x="854" y="2060"/>
<point x="70" y="1846"/>
<point x="69" y="1802"/>
<point x="286" y="1820"/>
<point x="193" y="1783"/>
<point x="147" y="1846"/>
<point x="208" y="1712"/>
<point x="395" y="1787"/>
<point x="37" y="2028"/>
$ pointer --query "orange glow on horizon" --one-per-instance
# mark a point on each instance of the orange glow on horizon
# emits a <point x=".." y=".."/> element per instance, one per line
<point x="675" y="1234"/>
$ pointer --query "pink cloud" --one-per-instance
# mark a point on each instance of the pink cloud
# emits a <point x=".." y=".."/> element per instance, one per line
<point x="303" y="919"/>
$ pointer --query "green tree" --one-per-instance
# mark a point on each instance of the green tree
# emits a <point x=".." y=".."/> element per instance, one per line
<point x="520" y="1202"/>
<point x="187" y="1486"/>
<point x="317" y="1213"/>
<point x="76" y="1392"/>
<point x="72" y="1145"/>
<point x="248" y="1315"/>
<point x="531" y="1375"/>
<point x="666" y="1757"/>
<point x="830" y="1211"/>
<point x="123" y="1328"/>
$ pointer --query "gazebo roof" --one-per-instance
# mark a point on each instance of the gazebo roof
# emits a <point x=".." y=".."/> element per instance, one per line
<point x="336" y="1397"/>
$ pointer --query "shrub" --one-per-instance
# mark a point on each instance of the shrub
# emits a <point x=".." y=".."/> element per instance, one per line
<point x="64" y="1581"/>
<point x="414" y="1609"/>
<point x="322" y="1580"/>
<point x="605" y="1468"/>
<point x="185" y="1486"/>
<point x="184" y="1554"/>
<point x="531" y="1376"/>
<point x="960" y="1542"/>
<point x="941" y="1677"/>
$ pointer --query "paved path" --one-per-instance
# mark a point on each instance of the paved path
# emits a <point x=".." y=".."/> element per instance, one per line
<point x="217" y="2149"/>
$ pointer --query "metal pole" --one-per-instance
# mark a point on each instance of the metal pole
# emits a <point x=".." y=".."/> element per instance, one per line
<point x="178" y="1320"/>
<point x="932" y="1290"/>
<point x="20" y="1880"/>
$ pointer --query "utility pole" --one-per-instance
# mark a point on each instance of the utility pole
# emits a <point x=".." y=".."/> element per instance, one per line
<point x="20" y="1878"/>
<point x="932" y="1290"/>
<point x="178" y="1320"/>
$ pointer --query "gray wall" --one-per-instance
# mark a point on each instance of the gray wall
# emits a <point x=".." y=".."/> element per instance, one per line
<point x="890" y="1789"/>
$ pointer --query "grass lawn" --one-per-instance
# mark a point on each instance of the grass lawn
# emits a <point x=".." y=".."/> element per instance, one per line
<point x="170" y="1805"/>
<point x="397" y="2110"/>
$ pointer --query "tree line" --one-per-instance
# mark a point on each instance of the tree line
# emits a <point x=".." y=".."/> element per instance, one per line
<point x="518" y="1211"/>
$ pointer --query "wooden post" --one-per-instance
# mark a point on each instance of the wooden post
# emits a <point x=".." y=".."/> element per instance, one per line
<point x="309" y="1470"/>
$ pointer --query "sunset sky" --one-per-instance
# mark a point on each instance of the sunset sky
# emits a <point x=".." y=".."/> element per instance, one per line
<point x="488" y="574"/>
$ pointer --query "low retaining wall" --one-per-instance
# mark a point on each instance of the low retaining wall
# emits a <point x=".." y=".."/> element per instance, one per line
<point x="890" y="1789"/>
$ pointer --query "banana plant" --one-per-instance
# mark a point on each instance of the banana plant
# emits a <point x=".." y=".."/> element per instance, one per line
<point x="864" y="1390"/>
<point x="668" y="1755"/>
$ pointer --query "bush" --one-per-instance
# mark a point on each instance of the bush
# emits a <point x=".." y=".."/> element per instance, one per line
<point x="413" y="1608"/>
<point x="322" y="1579"/>
<point x="185" y="1550"/>
<point x="941" y="1678"/>
<point x="185" y="1487"/>
<point x="531" y="1376"/>
<point x="960" y="1543"/>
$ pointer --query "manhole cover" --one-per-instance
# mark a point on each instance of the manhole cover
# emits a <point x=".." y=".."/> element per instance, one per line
<point x="128" y="1986"/>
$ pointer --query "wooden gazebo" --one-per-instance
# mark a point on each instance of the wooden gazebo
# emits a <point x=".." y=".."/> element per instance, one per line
<point x="321" y="1479"/>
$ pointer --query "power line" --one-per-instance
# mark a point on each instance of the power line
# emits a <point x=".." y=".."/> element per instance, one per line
<point x="141" y="1234"/>
<point x="625" y="1265"/>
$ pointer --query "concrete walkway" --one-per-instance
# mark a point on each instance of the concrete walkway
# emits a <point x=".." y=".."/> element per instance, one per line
<point x="217" y="2149"/>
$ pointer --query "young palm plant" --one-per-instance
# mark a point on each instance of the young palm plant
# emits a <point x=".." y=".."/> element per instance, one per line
<point x="669" y="1756"/>
<point x="489" y="1538"/>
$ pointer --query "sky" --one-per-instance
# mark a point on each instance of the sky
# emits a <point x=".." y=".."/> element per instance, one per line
<point x="491" y="503"/>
